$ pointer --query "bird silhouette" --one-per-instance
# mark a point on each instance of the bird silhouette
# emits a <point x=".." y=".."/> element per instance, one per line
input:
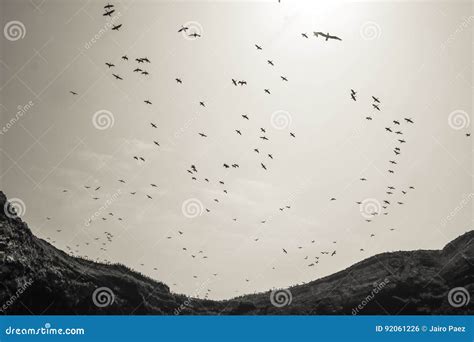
<point x="203" y="135"/>
<point x="376" y="107"/>
<point x="258" y="47"/>
<point x="284" y="78"/>
<point x="116" y="27"/>
<point x="73" y="92"/>
<point x="304" y="35"/>
<point x="108" y="13"/>
<point x="408" y="120"/>
<point x="263" y="166"/>
<point x="375" y="99"/>
<point x="183" y="29"/>
<point x="267" y="91"/>
<point x="110" y="65"/>
<point x="238" y="132"/>
<point x="327" y="36"/>
<point x="117" y="77"/>
<point x="245" y="117"/>
<point x="147" y="102"/>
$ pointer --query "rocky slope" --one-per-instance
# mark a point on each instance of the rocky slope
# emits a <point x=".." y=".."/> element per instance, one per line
<point x="37" y="278"/>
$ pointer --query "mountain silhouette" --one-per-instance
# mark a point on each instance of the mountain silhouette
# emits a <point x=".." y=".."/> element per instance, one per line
<point x="53" y="282"/>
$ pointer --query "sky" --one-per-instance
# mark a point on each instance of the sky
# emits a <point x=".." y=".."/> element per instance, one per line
<point x="414" y="57"/>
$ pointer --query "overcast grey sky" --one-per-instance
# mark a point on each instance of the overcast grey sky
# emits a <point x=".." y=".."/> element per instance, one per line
<point x="416" y="57"/>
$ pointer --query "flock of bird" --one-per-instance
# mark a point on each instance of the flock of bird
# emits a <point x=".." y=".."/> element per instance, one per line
<point x="260" y="139"/>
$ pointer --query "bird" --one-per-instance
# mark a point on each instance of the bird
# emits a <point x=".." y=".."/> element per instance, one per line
<point x="137" y="70"/>
<point x="202" y="104"/>
<point x="270" y="62"/>
<point x="262" y="129"/>
<point x="238" y="132"/>
<point x="147" y="102"/>
<point x="108" y="6"/>
<point x="195" y="35"/>
<point x="388" y="129"/>
<point x="116" y="27"/>
<point x="408" y="120"/>
<point x="263" y="166"/>
<point x="283" y="78"/>
<point x="202" y="135"/>
<point x="245" y="117"/>
<point x="304" y="35"/>
<point x="258" y="47"/>
<point x="183" y="29"/>
<point x="332" y="199"/>
<point x="376" y="106"/>
<point x="117" y="77"/>
<point x="234" y="82"/>
<point x="73" y="92"/>
<point x="242" y="83"/>
<point x="267" y="91"/>
<point x="293" y="135"/>
<point x="121" y="181"/>
<point x="178" y="80"/>
<point x="270" y="156"/>
<point x="333" y="253"/>
<point x="327" y="36"/>
<point x="284" y="251"/>
<point x="263" y="138"/>
<point x="145" y="73"/>
<point x="376" y="99"/>
<point x="153" y="125"/>
<point x="256" y="150"/>
<point x="110" y="65"/>
<point x="108" y="13"/>
<point x="156" y="143"/>
<point x="353" y="97"/>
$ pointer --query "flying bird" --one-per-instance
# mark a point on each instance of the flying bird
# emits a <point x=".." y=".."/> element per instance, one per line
<point x="117" y="77"/>
<point x="327" y="36"/>
<point x="116" y="27"/>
